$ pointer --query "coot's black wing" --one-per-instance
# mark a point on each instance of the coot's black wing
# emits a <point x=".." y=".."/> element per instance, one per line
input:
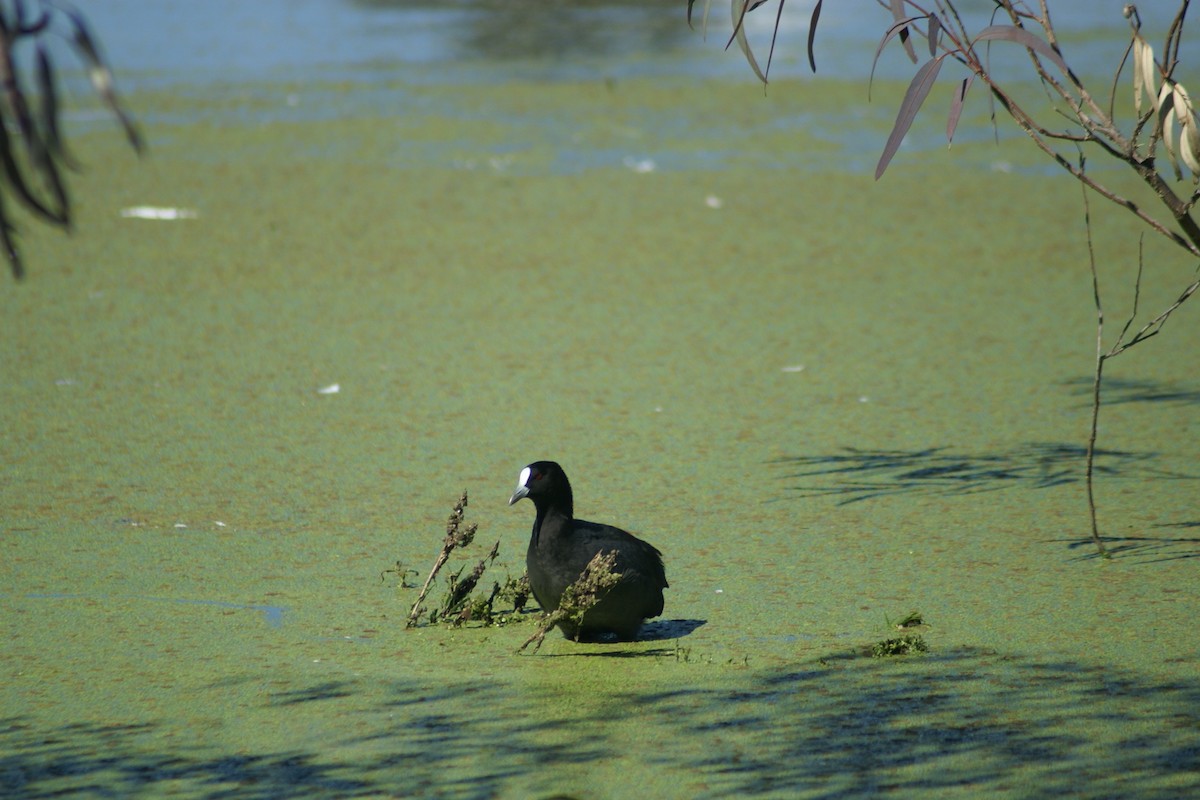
<point x="639" y="562"/>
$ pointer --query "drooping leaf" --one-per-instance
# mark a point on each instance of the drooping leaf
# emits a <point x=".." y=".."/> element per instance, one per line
<point x="703" y="18"/>
<point x="101" y="77"/>
<point x="1011" y="33"/>
<point x="812" y="34"/>
<point x="16" y="179"/>
<point x="48" y="89"/>
<point x="935" y="29"/>
<point x="918" y="90"/>
<point x="1167" y="128"/>
<point x="1144" y="73"/>
<point x="774" y="36"/>
<point x="739" y="9"/>
<point x="956" y="106"/>
<point x="1186" y="114"/>
<point x="898" y="14"/>
<point x="50" y="147"/>
<point x="898" y="27"/>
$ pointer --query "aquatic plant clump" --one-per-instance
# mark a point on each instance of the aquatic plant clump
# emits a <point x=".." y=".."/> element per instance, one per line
<point x="459" y="606"/>
<point x="899" y="646"/>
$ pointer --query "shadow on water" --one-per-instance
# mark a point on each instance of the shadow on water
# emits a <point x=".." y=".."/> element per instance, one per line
<point x="854" y="475"/>
<point x="1119" y="391"/>
<point x="1143" y="549"/>
<point x="661" y="630"/>
<point x="841" y="727"/>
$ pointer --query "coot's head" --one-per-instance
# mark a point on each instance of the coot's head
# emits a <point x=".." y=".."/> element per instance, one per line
<point x="545" y="483"/>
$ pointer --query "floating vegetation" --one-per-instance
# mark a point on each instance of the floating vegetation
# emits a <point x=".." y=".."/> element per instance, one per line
<point x="912" y="619"/>
<point x="597" y="578"/>
<point x="900" y="646"/>
<point x="460" y="590"/>
<point x="402" y="572"/>
<point x="459" y="605"/>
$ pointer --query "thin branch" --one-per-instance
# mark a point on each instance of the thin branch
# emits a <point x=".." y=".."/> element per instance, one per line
<point x="1090" y="471"/>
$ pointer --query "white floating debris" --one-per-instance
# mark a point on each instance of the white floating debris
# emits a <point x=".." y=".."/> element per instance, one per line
<point x="720" y="591"/>
<point x="218" y="523"/>
<point x="640" y="165"/>
<point x="332" y="388"/>
<point x="864" y="399"/>
<point x="712" y="201"/>
<point x="65" y="382"/>
<point x="158" y="212"/>
<point x="794" y="368"/>
<point x="180" y="525"/>
<point x="658" y="409"/>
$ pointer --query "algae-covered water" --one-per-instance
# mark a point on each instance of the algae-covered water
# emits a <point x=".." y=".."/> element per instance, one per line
<point x="828" y="401"/>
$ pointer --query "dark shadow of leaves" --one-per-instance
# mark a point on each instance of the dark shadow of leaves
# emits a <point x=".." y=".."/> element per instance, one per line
<point x="1142" y="549"/>
<point x="1119" y="391"/>
<point x="839" y="727"/>
<point x="853" y="475"/>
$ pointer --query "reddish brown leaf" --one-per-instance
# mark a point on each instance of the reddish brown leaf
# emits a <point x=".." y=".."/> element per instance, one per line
<point x="1010" y="33"/>
<point x="901" y="27"/>
<point x="935" y="28"/>
<point x="918" y="90"/>
<point x="956" y="106"/>
<point x="897" y="7"/>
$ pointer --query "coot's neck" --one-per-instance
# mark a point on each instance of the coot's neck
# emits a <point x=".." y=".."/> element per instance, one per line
<point x="554" y="514"/>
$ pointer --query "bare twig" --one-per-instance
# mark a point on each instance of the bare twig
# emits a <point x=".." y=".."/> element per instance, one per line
<point x="1099" y="373"/>
<point x="454" y="538"/>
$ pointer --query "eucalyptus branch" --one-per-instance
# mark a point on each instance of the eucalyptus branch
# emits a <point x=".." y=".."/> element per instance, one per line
<point x="1174" y="38"/>
<point x="1171" y="121"/>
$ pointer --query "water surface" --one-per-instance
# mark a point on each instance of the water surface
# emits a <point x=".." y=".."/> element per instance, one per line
<point x="828" y="400"/>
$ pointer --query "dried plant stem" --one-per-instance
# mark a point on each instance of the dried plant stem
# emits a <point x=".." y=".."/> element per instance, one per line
<point x="454" y="538"/>
<point x="597" y="578"/>
<point x="460" y="590"/>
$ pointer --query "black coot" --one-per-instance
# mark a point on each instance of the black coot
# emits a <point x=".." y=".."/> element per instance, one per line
<point x="561" y="546"/>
